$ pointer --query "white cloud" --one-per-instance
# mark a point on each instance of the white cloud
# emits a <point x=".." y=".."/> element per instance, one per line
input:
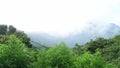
<point x="57" y="16"/>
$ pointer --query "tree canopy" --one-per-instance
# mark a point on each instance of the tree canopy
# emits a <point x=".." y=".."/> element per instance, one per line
<point x="5" y="31"/>
<point x="16" y="52"/>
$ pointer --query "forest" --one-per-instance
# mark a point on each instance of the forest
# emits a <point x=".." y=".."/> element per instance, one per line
<point x="16" y="51"/>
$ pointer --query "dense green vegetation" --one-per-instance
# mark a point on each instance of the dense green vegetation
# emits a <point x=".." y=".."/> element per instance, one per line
<point x="17" y="52"/>
<point x="14" y="54"/>
<point x="5" y="31"/>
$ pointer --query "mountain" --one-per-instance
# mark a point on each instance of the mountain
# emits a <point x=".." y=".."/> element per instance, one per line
<point x="43" y="39"/>
<point x="91" y="32"/>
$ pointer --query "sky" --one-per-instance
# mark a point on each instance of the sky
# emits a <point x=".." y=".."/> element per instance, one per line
<point x="60" y="17"/>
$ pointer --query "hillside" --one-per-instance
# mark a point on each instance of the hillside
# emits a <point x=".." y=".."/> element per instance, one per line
<point x="17" y="52"/>
<point x="91" y="32"/>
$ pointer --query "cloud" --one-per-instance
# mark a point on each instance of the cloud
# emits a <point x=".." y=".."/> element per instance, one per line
<point x="53" y="16"/>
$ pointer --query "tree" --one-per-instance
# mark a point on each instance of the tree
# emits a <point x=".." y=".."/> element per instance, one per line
<point x="24" y="38"/>
<point x="41" y="63"/>
<point x="111" y="53"/>
<point x="3" y="29"/>
<point x="56" y="57"/>
<point x="3" y="39"/>
<point x="88" y="60"/>
<point x="79" y="49"/>
<point x="12" y="29"/>
<point x="99" y="43"/>
<point x="14" y="54"/>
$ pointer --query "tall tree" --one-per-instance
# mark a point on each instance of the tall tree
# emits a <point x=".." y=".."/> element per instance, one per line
<point x="3" y="29"/>
<point x="24" y="38"/>
<point x="12" y="29"/>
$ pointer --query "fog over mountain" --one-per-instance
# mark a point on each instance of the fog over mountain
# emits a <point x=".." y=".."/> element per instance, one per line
<point x="49" y="22"/>
<point x="92" y="31"/>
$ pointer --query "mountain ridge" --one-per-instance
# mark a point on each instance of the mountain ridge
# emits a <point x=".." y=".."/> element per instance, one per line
<point x="93" y="31"/>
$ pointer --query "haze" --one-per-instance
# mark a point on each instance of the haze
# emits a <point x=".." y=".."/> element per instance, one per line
<point x="58" y="17"/>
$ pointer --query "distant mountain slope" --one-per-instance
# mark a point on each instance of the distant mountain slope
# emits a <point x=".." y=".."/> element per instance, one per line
<point x="91" y="32"/>
<point x="43" y="39"/>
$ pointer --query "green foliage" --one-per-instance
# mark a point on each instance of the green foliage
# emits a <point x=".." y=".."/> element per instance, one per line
<point x="41" y="63"/>
<point x="88" y="60"/>
<point x="99" y="43"/>
<point x="3" y="39"/>
<point x="111" y="52"/>
<point x="6" y="31"/>
<point x="14" y="54"/>
<point x="62" y="57"/>
<point x="12" y="29"/>
<point x="79" y="49"/>
<point x="56" y="57"/>
<point x="24" y="38"/>
<point x="109" y="48"/>
<point x="3" y="29"/>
